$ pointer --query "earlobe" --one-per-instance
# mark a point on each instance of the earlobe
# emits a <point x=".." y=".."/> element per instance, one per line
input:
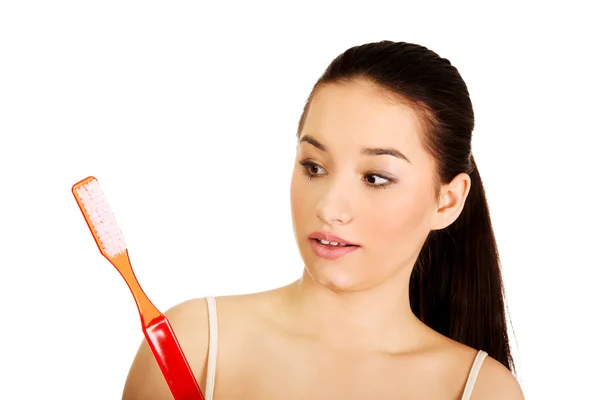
<point x="452" y="201"/>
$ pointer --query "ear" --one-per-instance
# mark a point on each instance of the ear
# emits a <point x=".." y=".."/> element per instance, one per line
<point x="451" y="201"/>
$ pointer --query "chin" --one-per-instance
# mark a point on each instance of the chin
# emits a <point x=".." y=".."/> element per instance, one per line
<point x="336" y="277"/>
<point x="345" y="274"/>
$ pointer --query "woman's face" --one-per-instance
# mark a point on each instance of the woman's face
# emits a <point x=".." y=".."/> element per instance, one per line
<point x="361" y="174"/>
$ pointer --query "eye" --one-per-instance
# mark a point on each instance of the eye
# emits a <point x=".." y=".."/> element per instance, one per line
<point x="377" y="181"/>
<point x="311" y="169"/>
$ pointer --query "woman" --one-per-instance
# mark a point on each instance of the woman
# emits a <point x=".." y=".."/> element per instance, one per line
<point x="401" y="294"/>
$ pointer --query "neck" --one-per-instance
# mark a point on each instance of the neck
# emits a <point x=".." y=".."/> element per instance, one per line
<point x="379" y="318"/>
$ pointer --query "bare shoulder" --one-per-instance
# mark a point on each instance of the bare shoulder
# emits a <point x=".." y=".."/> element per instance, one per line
<point x="496" y="382"/>
<point x="189" y="321"/>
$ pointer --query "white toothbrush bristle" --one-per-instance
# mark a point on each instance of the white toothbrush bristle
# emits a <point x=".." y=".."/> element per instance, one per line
<point x="102" y="219"/>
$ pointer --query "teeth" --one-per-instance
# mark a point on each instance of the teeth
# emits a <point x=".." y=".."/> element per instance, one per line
<point x="331" y="243"/>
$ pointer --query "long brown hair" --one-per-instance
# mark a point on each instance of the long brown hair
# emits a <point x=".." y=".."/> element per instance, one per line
<point x="456" y="286"/>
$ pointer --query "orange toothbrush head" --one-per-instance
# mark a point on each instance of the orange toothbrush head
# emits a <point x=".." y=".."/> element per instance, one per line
<point x="99" y="217"/>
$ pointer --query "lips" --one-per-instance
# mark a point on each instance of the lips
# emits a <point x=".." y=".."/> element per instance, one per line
<point x="331" y="247"/>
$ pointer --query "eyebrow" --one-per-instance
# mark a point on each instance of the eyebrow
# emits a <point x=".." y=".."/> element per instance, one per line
<point x="377" y="151"/>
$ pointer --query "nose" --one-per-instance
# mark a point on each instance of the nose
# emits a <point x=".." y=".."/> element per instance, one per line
<point x="334" y="206"/>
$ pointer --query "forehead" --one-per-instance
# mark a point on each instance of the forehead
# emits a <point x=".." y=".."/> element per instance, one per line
<point x="362" y="114"/>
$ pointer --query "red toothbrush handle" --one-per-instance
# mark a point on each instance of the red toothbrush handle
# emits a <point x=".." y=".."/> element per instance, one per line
<point x="171" y="360"/>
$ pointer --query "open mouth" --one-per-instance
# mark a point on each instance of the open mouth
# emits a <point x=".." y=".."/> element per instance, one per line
<point x="332" y="249"/>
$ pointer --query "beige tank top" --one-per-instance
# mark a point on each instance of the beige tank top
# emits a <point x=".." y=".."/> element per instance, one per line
<point x="213" y="345"/>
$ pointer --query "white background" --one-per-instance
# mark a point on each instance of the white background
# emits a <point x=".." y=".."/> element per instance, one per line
<point x="186" y="114"/>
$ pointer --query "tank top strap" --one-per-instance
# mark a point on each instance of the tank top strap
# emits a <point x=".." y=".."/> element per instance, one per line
<point x="477" y="363"/>
<point x="213" y="337"/>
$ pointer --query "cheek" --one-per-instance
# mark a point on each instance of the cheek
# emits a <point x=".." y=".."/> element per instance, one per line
<point x="299" y="197"/>
<point x="400" y="223"/>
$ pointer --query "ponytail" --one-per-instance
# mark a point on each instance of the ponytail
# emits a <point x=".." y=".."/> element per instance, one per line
<point x="456" y="286"/>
